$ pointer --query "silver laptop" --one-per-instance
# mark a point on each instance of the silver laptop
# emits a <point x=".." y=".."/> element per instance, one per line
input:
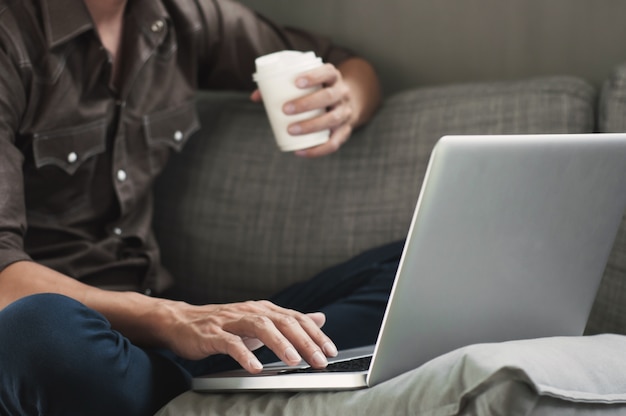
<point x="509" y="240"/>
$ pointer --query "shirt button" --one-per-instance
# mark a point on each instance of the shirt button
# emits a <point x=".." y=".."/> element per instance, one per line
<point x="157" y="26"/>
<point x="121" y="175"/>
<point x="72" y="157"/>
<point x="178" y="136"/>
<point x="117" y="231"/>
<point x="147" y="292"/>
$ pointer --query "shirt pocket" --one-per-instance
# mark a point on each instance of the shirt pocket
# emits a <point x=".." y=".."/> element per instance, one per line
<point x="63" y="178"/>
<point x="69" y="149"/>
<point x="169" y="130"/>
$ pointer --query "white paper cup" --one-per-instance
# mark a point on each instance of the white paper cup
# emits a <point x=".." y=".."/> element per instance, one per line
<point x="275" y="76"/>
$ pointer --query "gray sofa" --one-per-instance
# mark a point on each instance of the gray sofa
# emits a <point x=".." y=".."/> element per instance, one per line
<point x="237" y="219"/>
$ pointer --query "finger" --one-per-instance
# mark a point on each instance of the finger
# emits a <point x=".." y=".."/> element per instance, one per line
<point x="323" y="98"/>
<point x="286" y="319"/>
<point x="234" y="346"/>
<point x="318" y="317"/>
<point x="311" y="324"/>
<point x="256" y="96"/>
<point x="326" y="74"/>
<point x="252" y="344"/>
<point x="337" y="138"/>
<point x="329" y="120"/>
<point x="262" y="327"/>
<point x="305" y="336"/>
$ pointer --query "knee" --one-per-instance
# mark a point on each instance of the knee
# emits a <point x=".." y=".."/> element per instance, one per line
<point x="38" y="328"/>
<point x="53" y="351"/>
<point x="34" y="333"/>
<point x="42" y="318"/>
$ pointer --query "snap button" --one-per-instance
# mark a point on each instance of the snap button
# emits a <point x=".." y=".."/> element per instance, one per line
<point x="147" y="292"/>
<point x="121" y="175"/>
<point x="157" y="26"/>
<point x="178" y="136"/>
<point x="72" y="157"/>
<point x="117" y="231"/>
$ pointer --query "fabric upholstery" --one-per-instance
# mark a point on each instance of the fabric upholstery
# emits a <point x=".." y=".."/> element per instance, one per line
<point x="550" y="376"/>
<point x="609" y="311"/>
<point x="238" y="219"/>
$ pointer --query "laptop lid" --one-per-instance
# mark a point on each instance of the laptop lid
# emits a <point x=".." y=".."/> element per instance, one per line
<point x="509" y="240"/>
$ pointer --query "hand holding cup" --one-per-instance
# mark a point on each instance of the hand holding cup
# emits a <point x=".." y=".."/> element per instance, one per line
<point x="307" y="102"/>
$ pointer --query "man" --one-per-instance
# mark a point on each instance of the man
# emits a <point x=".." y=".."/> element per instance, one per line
<point x="89" y="91"/>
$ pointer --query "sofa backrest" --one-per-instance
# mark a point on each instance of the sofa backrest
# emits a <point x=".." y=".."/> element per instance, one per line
<point x="427" y="42"/>
<point x="237" y="219"/>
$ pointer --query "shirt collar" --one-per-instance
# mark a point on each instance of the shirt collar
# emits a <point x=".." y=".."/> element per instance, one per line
<point x="149" y="17"/>
<point x="64" y="20"/>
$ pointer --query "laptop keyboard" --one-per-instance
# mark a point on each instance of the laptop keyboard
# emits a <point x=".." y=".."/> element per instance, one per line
<point x="356" y="364"/>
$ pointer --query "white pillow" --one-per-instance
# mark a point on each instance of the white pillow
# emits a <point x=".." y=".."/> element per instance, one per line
<point x="548" y="376"/>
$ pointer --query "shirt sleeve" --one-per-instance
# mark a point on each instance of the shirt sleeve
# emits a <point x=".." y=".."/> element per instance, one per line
<point x="234" y="36"/>
<point x="12" y="207"/>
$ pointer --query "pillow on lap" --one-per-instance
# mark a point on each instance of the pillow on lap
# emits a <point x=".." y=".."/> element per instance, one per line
<point x="555" y="376"/>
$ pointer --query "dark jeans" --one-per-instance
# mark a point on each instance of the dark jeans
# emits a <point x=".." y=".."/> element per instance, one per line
<point x="58" y="357"/>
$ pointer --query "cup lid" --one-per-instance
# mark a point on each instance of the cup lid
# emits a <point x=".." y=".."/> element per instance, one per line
<point x="278" y="63"/>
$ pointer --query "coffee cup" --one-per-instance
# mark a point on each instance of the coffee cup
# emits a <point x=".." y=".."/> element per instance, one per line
<point x="275" y="76"/>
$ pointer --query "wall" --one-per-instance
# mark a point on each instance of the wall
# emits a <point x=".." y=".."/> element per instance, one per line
<point x="417" y="42"/>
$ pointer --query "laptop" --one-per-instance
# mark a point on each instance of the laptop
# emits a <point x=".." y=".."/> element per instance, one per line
<point x="509" y="240"/>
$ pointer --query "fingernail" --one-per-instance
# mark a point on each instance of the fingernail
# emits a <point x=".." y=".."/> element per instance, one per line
<point x="301" y="153"/>
<point x="330" y="349"/>
<point x="302" y="82"/>
<point x="255" y="364"/>
<point x="289" y="108"/>
<point x="292" y="355"/>
<point x="295" y="129"/>
<point x="319" y="360"/>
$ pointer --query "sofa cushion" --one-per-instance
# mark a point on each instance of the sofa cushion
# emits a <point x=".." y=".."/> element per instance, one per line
<point x="609" y="311"/>
<point x="237" y="219"/>
<point x="550" y="376"/>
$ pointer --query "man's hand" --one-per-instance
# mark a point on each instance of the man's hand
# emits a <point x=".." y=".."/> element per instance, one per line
<point x="192" y="332"/>
<point x="349" y="95"/>
<point x="195" y="332"/>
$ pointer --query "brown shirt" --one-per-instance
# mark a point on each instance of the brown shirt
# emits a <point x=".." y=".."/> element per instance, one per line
<point x="78" y="156"/>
